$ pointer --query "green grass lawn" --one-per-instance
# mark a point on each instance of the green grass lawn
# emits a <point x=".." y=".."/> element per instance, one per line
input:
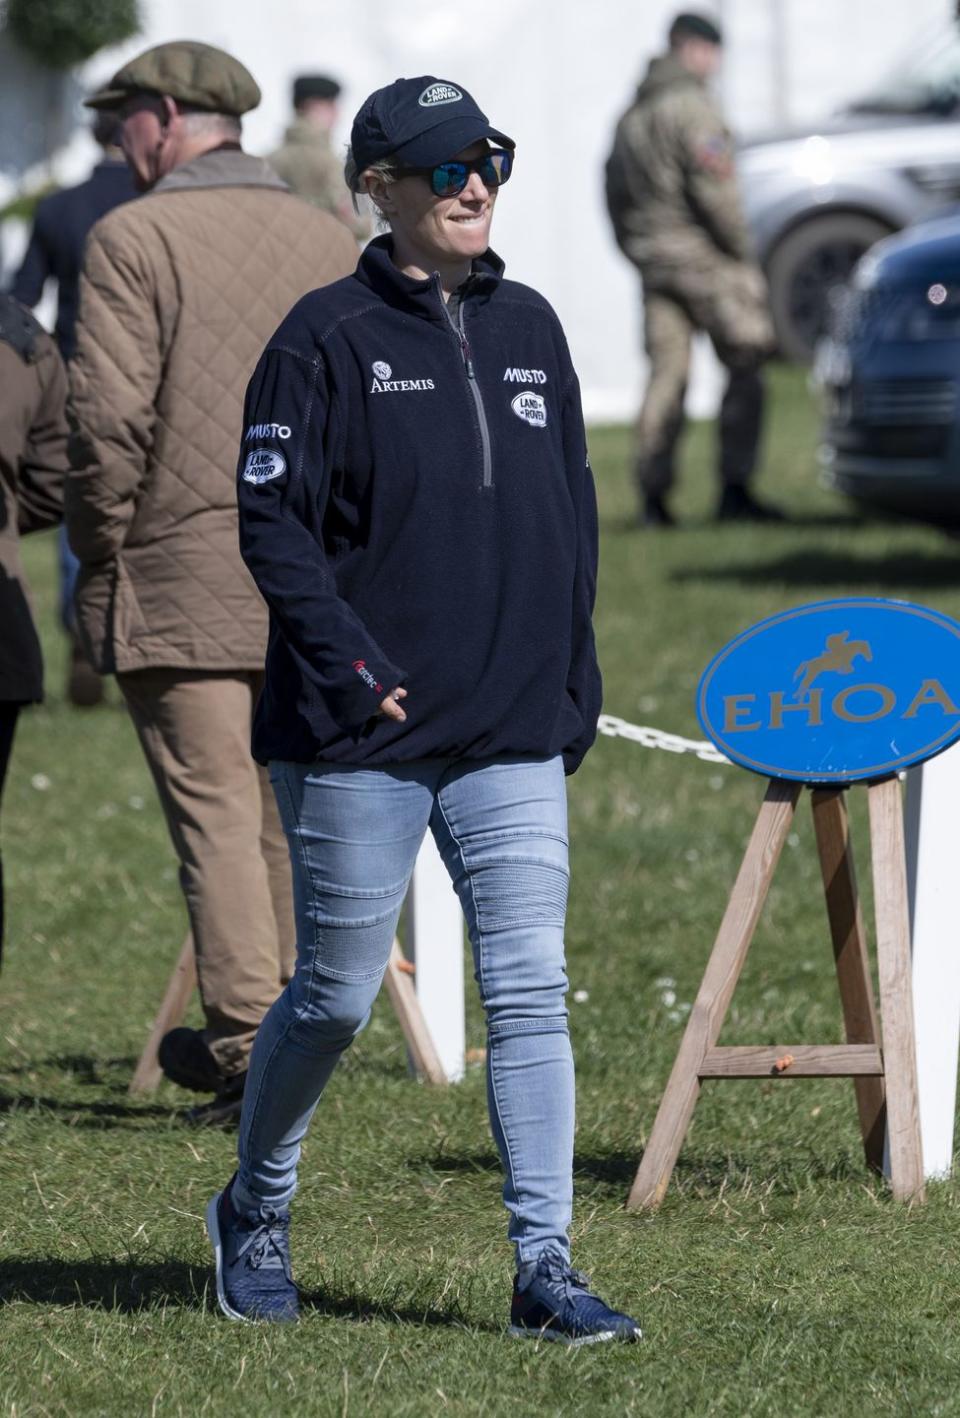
<point x="778" y="1278"/>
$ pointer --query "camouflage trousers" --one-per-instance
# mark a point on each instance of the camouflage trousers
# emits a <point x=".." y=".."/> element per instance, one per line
<point x="727" y="301"/>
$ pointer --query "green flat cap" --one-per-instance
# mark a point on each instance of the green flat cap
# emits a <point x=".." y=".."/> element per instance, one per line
<point x="190" y="72"/>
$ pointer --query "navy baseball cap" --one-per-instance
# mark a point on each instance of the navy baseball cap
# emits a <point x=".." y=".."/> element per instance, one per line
<point x="421" y="122"/>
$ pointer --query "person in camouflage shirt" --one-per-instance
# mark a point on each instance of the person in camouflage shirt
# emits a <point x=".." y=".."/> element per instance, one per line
<point x="306" y="161"/>
<point x="673" y="200"/>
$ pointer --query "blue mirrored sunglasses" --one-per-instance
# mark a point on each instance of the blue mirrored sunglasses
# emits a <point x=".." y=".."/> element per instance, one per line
<point x="449" y="178"/>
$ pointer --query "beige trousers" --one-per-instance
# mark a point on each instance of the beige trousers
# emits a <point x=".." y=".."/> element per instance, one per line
<point x="194" y="727"/>
<point x="728" y="301"/>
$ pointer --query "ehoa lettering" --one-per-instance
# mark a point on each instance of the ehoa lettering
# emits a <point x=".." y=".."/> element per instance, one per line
<point x="856" y="704"/>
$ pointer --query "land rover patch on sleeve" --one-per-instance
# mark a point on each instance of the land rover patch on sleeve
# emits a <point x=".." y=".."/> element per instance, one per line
<point x="263" y="465"/>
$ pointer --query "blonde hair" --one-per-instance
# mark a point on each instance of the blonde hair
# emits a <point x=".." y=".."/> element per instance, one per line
<point x="387" y="170"/>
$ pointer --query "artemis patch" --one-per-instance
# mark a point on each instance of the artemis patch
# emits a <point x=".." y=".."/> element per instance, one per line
<point x="263" y="465"/>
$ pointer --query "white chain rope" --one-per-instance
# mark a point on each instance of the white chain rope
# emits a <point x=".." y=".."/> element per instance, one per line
<point x="646" y="737"/>
<point x="642" y="734"/>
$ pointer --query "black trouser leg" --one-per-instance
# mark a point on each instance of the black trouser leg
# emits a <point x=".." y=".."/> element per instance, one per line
<point x="741" y="422"/>
<point x="8" y="723"/>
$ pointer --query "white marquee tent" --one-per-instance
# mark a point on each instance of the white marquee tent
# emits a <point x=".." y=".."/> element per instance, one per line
<point x="553" y="73"/>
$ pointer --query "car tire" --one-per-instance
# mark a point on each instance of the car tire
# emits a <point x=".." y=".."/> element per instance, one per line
<point x="805" y="266"/>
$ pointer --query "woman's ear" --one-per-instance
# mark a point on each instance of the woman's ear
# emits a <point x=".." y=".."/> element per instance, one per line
<point x="378" y="191"/>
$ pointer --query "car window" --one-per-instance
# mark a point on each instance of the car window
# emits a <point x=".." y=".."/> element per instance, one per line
<point x="927" y="82"/>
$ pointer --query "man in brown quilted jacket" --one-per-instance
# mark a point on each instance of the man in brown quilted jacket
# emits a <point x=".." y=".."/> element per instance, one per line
<point x="179" y="293"/>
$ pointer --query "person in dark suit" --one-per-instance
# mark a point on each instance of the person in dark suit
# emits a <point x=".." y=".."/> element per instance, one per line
<point x="55" y="250"/>
<point x="60" y="231"/>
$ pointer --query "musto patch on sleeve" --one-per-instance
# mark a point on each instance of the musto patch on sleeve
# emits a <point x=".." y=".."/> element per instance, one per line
<point x="263" y="465"/>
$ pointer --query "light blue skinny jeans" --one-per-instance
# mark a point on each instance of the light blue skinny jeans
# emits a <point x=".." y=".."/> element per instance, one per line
<point x="354" y="834"/>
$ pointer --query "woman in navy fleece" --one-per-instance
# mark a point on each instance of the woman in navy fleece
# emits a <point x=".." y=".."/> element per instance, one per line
<point x="417" y="509"/>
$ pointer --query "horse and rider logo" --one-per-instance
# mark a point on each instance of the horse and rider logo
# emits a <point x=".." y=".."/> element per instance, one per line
<point x="839" y="654"/>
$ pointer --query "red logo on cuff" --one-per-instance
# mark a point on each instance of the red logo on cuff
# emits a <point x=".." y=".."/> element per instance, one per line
<point x="361" y="668"/>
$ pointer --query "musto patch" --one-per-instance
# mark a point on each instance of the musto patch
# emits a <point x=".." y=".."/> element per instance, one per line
<point x="263" y="465"/>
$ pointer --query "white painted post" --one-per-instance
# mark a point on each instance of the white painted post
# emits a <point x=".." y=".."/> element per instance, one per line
<point x="933" y="876"/>
<point x="434" y="944"/>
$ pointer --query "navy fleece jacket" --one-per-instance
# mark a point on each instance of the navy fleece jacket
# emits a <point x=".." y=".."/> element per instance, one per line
<point x="417" y="508"/>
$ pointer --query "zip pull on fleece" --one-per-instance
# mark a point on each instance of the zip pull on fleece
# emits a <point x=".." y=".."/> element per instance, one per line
<point x="465" y="351"/>
<point x="456" y="325"/>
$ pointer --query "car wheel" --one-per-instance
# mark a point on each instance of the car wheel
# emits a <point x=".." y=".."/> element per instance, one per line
<point x="812" y="261"/>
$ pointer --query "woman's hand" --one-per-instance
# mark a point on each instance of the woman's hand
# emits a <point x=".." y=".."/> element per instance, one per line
<point x="391" y="707"/>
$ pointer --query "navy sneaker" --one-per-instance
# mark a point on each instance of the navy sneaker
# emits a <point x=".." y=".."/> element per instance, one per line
<point x="552" y="1301"/>
<point x="252" y="1256"/>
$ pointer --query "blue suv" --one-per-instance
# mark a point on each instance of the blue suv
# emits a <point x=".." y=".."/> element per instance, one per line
<point x="890" y="373"/>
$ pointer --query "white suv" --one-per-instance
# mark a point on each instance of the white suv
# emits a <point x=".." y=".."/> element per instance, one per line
<point x="815" y="201"/>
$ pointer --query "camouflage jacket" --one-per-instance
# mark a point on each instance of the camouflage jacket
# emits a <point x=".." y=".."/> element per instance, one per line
<point x="670" y="180"/>
<point x="308" y="165"/>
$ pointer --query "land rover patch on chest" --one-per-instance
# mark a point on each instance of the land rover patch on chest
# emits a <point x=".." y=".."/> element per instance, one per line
<point x="531" y="408"/>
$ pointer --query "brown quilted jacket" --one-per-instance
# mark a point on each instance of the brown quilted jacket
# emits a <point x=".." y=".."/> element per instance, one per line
<point x="180" y="292"/>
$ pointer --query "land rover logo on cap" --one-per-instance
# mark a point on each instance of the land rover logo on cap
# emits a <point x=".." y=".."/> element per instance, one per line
<point x="836" y="691"/>
<point x="439" y="93"/>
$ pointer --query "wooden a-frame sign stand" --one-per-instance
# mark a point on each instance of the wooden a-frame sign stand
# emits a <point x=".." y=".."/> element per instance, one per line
<point x="884" y="1075"/>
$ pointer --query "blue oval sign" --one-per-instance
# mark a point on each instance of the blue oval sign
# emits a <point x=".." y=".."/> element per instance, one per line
<point x="837" y="691"/>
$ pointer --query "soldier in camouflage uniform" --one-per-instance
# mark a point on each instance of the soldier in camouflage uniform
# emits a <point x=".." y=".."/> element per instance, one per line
<point x="673" y="200"/>
<point x="307" y="162"/>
